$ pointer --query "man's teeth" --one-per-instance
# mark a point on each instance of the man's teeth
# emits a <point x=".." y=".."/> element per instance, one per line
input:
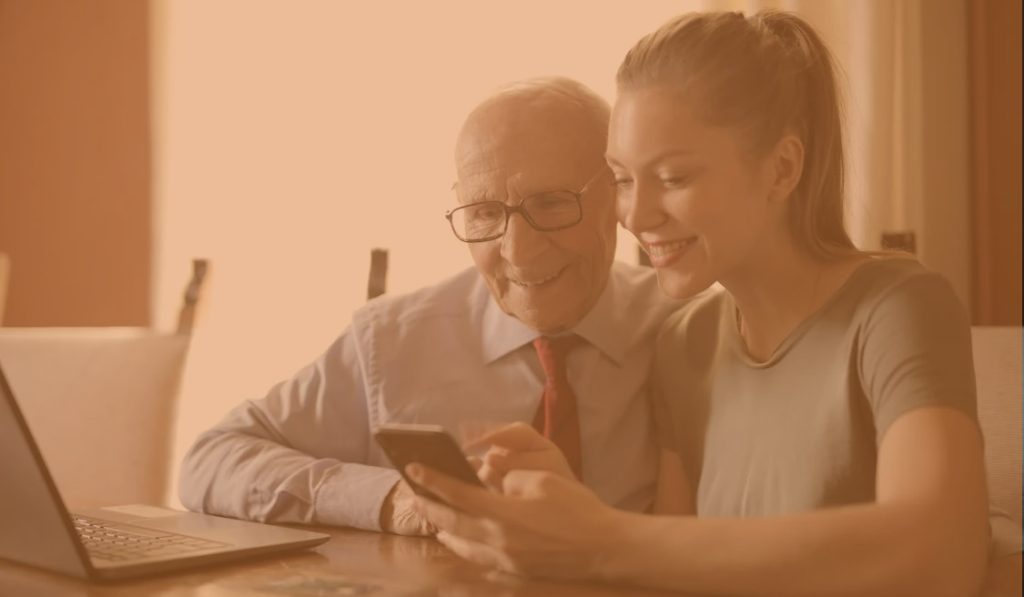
<point x="665" y="249"/>
<point x="535" y="282"/>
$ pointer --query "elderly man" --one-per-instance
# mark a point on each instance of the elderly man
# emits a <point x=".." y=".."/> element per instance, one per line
<point x="536" y="210"/>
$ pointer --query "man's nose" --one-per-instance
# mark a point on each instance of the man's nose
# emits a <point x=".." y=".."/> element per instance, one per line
<point x="639" y="209"/>
<point x="522" y="243"/>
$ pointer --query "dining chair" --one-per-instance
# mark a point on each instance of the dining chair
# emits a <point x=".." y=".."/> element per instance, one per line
<point x="101" y="404"/>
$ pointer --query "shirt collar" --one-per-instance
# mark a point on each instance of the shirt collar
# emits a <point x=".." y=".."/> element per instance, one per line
<point x="503" y="334"/>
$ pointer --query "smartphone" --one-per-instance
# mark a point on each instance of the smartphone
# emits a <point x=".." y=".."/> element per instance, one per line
<point x="429" y="445"/>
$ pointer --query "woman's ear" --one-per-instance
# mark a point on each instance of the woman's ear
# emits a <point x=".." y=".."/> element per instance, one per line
<point x="788" y="165"/>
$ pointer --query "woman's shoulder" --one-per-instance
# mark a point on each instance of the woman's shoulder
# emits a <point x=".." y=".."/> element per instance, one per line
<point x="699" y="320"/>
<point x="884" y="270"/>
<point x="901" y="283"/>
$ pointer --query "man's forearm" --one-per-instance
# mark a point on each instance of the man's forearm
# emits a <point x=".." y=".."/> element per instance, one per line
<point x="861" y="551"/>
<point x="243" y="476"/>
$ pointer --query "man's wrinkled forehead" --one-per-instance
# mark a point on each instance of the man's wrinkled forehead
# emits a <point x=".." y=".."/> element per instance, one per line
<point x="482" y="179"/>
<point x="498" y="129"/>
<point x="518" y="139"/>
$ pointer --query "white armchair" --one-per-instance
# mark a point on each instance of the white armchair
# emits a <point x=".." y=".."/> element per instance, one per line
<point x="101" y="403"/>
<point x="997" y="365"/>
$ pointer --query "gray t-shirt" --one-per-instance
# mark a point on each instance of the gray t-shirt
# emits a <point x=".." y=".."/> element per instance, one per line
<point x="801" y="431"/>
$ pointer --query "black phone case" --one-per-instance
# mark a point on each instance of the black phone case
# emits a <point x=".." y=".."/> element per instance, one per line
<point x="434" y="449"/>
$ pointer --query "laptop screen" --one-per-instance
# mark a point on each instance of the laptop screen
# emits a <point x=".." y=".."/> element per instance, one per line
<point x="35" y="528"/>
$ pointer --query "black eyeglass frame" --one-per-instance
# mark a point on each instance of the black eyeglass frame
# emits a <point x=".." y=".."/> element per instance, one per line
<point x="518" y="209"/>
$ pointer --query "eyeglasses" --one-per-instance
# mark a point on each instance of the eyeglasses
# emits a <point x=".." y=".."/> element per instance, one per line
<point x="547" y="211"/>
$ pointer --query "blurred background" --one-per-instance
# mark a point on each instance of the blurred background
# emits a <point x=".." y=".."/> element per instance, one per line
<point x="284" y="139"/>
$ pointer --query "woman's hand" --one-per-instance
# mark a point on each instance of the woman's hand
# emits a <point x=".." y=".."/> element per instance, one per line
<point x="517" y="446"/>
<point x="541" y="524"/>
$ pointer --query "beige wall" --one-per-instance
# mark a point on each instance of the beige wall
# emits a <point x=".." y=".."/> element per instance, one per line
<point x="75" y="161"/>
<point x="997" y="193"/>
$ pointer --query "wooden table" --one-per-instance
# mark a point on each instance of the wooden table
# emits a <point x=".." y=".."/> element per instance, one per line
<point x="409" y="566"/>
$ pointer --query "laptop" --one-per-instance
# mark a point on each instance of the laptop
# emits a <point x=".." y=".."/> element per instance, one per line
<point x="111" y="543"/>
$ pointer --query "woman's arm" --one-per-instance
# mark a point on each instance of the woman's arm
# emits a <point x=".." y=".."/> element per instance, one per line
<point x="926" y="536"/>
<point x="674" y="495"/>
<point x="519" y="446"/>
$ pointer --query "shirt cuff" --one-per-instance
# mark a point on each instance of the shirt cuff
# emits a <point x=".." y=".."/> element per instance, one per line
<point x="353" y="496"/>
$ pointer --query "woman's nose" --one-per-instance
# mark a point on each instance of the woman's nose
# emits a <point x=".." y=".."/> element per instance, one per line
<point x="638" y="209"/>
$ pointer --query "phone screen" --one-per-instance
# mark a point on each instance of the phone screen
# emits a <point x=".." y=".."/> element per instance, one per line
<point x="428" y="445"/>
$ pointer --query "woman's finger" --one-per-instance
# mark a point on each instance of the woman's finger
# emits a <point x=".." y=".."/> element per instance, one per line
<point x="452" y="522"/>
<point x="491" y="476"/>
<point x="472" y="551"/>
<point x="548" y="460"/>
<point x="438" y="515"/>
<point x="533" y="483"/>
<point x="517" y="436"/>
<point x="471" y="500"/>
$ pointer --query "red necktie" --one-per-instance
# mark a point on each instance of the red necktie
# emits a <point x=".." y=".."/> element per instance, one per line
<point x="557" y="417"/>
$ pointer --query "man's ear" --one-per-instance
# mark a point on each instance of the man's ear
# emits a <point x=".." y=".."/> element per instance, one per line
<point x="788" y="163"/>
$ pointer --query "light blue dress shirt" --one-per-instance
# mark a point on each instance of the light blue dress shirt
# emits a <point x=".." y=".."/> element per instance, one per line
<point x="448" y="355"/>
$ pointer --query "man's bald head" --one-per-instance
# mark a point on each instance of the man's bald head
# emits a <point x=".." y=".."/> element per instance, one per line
<point x="542" y="139"/>
<point x="534" y="103"/>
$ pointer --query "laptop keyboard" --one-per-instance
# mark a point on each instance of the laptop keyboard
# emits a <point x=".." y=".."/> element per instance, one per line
<point x="108" y="540"/>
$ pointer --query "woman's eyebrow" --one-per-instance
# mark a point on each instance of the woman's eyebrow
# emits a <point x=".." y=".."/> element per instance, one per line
<point x="665" y="155"/>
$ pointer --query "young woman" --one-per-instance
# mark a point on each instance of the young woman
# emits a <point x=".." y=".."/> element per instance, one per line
<point x="817" y="416"/>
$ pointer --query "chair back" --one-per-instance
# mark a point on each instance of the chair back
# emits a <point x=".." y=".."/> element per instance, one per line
<point x="101" y="404"/>
<point x="378" y="278"/>
<point x="997" y="366"/>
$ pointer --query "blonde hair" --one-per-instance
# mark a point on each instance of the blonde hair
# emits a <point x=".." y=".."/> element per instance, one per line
<point x="767" y="74"/>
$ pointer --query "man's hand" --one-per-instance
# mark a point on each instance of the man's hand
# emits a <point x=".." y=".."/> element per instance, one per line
<point x="397" y="515"/>
<point x="518" y="446"/>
